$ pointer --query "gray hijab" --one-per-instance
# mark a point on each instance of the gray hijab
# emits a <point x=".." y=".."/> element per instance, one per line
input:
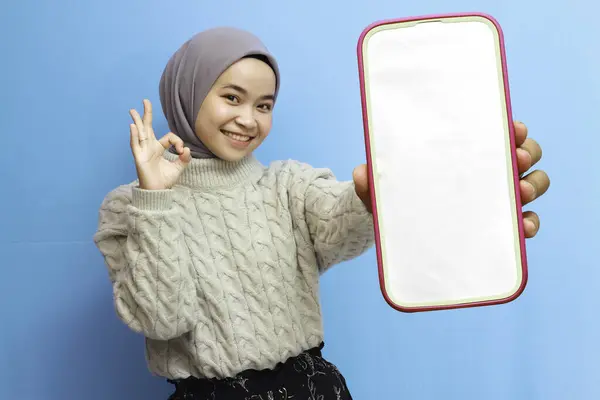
<point x="194" y="68"/>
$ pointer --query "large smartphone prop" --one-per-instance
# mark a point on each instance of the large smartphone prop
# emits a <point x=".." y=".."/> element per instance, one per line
<point x="442" y="162"/>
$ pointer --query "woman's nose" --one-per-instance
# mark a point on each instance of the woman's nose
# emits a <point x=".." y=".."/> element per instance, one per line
<point x="246" y="119"/>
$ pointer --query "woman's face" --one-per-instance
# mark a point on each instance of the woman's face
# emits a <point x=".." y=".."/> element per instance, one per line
<point x="236" y="115"/>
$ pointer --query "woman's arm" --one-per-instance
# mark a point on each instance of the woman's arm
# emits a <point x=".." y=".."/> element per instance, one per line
<point x="339" y="224"/>
<point x="148" y="262"/>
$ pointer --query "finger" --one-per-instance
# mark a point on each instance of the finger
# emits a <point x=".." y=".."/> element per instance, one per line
<point x="148" y="119"/>
<point x="524" y="161"/>
<point x="533" y="148"/>
<point x="520" y="133"/>
<point x="147" y="113"/>
<point x="170" y="139"/>
<point x="139" y="125"/>
<point x="531" y="224"/>
<point x="533" y="186"/>
<point x="134" y="139"/>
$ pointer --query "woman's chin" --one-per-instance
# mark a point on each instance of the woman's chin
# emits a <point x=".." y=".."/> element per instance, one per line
<point x="232" y="154"/>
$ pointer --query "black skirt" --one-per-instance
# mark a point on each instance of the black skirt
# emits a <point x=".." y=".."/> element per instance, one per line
<point x="306" y="376"/>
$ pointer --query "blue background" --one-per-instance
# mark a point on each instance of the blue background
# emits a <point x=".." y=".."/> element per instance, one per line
<point x="70" y="71"/>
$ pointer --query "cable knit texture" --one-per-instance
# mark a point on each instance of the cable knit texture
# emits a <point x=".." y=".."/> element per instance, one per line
<point x="221" y="272"/>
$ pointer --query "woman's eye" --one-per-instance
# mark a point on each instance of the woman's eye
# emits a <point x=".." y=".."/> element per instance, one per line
<point x="265" y="107"/>
<point x="231" y="98"/>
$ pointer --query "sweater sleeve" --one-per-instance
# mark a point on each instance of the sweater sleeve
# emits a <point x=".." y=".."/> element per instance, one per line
<point x="339" y="225"/>
<point x="143" y="247"/>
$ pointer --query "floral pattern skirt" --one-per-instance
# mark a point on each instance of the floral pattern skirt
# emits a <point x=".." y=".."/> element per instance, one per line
<point x="307" y="376"/>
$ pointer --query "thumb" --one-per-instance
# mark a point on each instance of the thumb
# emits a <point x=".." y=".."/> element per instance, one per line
<point x="361" y="185"/>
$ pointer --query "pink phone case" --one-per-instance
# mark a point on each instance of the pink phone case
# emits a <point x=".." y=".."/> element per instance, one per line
<point x="516" y="177"/>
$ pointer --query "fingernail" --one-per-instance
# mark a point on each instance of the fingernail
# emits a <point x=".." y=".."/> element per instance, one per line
<point x="529" y="225"/>
<point x="532" y="190"/>
<point x="525" y="153"/>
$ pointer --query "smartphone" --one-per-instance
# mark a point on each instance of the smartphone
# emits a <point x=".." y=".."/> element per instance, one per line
<point x="441" y="155"/>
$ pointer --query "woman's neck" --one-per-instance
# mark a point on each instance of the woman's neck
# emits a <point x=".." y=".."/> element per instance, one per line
<point x="212" y="173"/>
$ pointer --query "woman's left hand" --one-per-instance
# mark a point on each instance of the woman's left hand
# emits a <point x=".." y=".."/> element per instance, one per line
<point x="532" y="186"/>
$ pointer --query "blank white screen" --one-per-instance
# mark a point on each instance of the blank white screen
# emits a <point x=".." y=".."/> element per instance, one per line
<point x="441" y="161"/>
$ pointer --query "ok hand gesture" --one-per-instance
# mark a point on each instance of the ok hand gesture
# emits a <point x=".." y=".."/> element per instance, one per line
<point x="153" y="170"/>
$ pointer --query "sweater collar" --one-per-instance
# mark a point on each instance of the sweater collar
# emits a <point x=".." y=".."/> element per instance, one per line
<point x="212" y="173"/>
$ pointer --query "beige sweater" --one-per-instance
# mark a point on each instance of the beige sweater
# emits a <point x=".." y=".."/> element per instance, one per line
<point x="221" y="272"/>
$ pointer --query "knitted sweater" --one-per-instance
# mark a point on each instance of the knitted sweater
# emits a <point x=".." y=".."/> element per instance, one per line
<point x="221" y="272"/>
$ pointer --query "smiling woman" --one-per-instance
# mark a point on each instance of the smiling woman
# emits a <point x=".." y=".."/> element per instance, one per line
<point x="221" y="62"/>
<point x="215" y="258"/>
<point x="236" y="116"/>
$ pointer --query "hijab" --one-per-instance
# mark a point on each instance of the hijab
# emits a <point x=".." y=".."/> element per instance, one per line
<point x="193" y="69"/>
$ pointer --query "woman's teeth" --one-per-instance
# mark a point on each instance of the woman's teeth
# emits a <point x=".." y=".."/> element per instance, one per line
<point x="235" y="136"/>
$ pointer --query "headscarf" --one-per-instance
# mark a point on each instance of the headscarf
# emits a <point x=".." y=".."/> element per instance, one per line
<point x="192" y="71"/>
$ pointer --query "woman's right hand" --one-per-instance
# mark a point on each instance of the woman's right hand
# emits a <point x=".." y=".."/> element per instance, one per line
<point x="153" y="170"/>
